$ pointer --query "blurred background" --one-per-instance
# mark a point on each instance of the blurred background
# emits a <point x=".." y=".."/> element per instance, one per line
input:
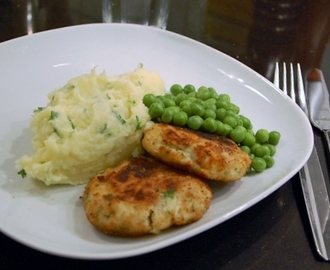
<point x="256" y="32"/>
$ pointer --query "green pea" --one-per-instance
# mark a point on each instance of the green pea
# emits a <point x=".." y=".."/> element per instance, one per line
<point x="187" y="109"/>
<point x="249" y="139"/>
<point x="214" y="93"/>
<point x="209" y="125"/>
<point x="237" y="135"/>
<point x="209" y="113"/>
<point x="192" y="95"/>
<point x="180" y="118"/>
<point x="269" y="161"/>
<point x="180" y="97"/>
<point x="195" y="122"/>
<point x="156" y="110"/>
<point x="170" y="96"/>
<point x="210" y="104"/>
<point x="149" y="99"/>
<point x="261" y="151"/>
<point x="203" y="93"/>
<point x="221" y="104"/>
<point x="262" y="135"/>
<point x="254" y="147"/>
<point x="259" y="164"/>
<point x="220" y="113"/>
<point x="197" y="109"/>
<point x="224" y="97"/>
<point x="226" y="129"/>
<point x="211" y="100"/>
<point x="167" y="115"/>
<point x="176" y="89"/>
<point x="168" y="102"/>
<point x="241" y="128"/>
<point x="185" y="102"/>
<point x="176" y="109"/>
<point x="274" y="137"/>
<point x="250" y="131"/>
<point x="246" y="122"/>
<point x="220" y="128"/>
<point x="189" y="89"/>
<point x="199" y="101"/>
<point x="230" y="113"/>
<point x="240" y="122"/>
<point x="272" y="149"/>
<point x="246" y="149"/>
<point x="230" y="120"/>
<point x="233" y="107"/>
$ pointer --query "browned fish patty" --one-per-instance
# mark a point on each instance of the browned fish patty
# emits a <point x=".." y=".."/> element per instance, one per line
<point x="207" y="155"/>
<point x="144" y="196"/>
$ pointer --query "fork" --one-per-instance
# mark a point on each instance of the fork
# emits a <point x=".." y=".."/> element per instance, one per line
<point x="311" y="174"/>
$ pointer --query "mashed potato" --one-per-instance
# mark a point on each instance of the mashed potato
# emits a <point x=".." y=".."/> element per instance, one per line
<point x="93" y="122"/>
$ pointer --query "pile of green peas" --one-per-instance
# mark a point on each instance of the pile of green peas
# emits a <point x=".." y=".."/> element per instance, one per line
<point x="205" y="110"/>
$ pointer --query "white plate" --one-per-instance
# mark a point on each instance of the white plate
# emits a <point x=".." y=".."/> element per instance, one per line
<point x="52" y="219"/>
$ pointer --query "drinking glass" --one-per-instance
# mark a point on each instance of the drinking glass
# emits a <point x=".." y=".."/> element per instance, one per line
<point x="145" y="12"/>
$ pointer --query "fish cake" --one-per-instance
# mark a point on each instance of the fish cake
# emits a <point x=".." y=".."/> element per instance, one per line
<point x="144" y="196"/>
<point x="207" y="155"/>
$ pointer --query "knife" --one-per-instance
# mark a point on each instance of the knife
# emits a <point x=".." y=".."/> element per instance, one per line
<point x="315" y="191"/>
<point x="317" y="203"/>
<point x="318" y="102"/>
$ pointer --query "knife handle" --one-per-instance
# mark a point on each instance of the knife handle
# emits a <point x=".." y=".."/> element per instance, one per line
<point x="326" y="134"/>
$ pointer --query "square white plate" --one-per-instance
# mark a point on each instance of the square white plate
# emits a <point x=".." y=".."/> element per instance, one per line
<point x="52" y="219"/>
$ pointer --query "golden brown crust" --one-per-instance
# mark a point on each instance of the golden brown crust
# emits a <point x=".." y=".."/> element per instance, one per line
<point x="207" y="155"/>
<point x="143" y="196"/>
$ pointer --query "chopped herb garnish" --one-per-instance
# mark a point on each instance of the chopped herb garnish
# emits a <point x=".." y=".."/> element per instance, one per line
<point x="22" y="173"/>
<point x="120" y="118"/>
<point x="132" y="101"/>
<point x="138" y="123"/>
<point x="53" y="115"/>
<point x="52" y="99"/>
<point x="109" y="85"/>
<point x="169" y="194"/>
<point x="57" y="133"/>
<point x="108" y="96"/>
<point x="69" y="87"/>
<point x="71" y="123"/>
<point x="103" y="128"/>
<point x="39" y="109"/>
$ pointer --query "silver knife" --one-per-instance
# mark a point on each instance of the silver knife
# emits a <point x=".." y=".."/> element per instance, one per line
<point x="315" y="191"/>
<point x="319" y="103"/>
<point x="317" y="203"/>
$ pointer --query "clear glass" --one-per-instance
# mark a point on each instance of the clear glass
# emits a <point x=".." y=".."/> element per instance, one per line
<point x="145" y="12"/>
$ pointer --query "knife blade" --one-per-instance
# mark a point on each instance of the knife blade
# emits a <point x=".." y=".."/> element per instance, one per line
<point x="319" y="103"/>
<point x="317" y="203"/>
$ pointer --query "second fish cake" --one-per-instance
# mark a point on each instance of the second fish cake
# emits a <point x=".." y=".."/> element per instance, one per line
<point x="207" y="155"/>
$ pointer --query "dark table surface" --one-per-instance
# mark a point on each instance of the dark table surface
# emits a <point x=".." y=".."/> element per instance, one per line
<point x="274" y="233"/>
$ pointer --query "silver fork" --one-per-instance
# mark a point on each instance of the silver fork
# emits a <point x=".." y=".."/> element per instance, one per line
<point x="311" y="174"/>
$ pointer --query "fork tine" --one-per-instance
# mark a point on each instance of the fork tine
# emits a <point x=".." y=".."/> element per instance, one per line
<point x="284" y="88"/>
<point x="277" y="75"/>
<point x="301" y="91"/>
<point x="292" y="83"/>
